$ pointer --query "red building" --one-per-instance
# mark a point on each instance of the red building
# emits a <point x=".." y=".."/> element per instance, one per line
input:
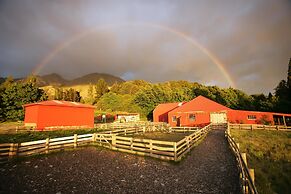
<point x="56" y="113"/>
<point x="201" y="111"/>
<point x="160" y="113"/>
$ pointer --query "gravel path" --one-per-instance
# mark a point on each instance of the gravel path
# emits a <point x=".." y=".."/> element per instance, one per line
<point x="209" y="168"/>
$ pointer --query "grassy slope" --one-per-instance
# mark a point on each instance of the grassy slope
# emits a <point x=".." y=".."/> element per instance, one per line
<point x="83" y="89"/>
<point x="269" y="153"/>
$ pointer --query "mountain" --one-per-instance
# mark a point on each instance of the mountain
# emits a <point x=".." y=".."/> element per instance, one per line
<point x="94" y="77"/>
<point x="51" y="79"/>
<point x="57" y="80"/>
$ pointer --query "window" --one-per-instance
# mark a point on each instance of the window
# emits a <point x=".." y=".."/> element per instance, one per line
<point x="174" y="119"/>
<point x="252" y="117"/>
<point x="192" y="117"/>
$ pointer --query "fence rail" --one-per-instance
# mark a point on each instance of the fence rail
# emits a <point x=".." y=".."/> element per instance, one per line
<point x="183" y="129"/>
<point x="129" y="124"/>
<point x="259" y="127"/>
<point x="247" y="176"/>
<point x="185" y="145"/>
<point x="115" y="140"/>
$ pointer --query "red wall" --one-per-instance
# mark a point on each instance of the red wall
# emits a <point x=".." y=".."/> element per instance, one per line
<point x="201" y="118"/>
<point x="160" y="113"/>
<point x="31" y="113"/>
<point x="238" y="116"/>
<point x="233" y="116"/>
<point x="161" y="118"/>
<point x="48" y="116"/>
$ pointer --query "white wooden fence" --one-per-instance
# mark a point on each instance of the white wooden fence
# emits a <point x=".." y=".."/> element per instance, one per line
<point x="247" y="176"/>
<point x="259" y="127"/>
<point x="115" y="140"/>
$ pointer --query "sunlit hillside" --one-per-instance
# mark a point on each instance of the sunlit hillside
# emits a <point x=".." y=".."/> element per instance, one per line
<point x="83" y="89"/>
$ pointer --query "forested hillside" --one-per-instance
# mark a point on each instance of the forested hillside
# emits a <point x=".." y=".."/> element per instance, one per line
<point x="143" y="97"/>
<point x="138" y="96"/>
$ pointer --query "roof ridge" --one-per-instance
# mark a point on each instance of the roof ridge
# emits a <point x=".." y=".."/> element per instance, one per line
<point x="60" y="103"/>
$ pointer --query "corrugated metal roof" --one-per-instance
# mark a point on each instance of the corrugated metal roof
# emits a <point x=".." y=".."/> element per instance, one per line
<point x="201" y="103"/>
<point x="261" y="112"/>
<point x="165" y="107"/>
<point x="60" y="103"/>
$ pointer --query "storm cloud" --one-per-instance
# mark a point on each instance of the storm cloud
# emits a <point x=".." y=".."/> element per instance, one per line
<point x="149" y="40"/>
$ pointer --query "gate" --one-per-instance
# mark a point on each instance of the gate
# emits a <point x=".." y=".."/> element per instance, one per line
<point x="218" y="117"/>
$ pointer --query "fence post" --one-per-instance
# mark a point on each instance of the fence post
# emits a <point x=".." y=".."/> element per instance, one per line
<point x="47" y="145"/>
<point x="187" y="139"/>
<point x="252" y="173"/>
<point x="245" y="185"/>
<point x="151" y="147"/>
<point x="113" y="136"/>
<point x="131" y="144"/>
<point x="244" y="157"/>
<point x="11" y="150"/>
<point x="75" y="140"/>
<point x="93" y="137"/>
<point x="175" y="151"/>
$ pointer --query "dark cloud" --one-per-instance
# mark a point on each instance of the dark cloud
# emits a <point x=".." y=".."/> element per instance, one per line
<point x="251" y="38"/>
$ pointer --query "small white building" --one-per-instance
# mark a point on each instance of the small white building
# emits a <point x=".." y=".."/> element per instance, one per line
<point x="127" y="117"/>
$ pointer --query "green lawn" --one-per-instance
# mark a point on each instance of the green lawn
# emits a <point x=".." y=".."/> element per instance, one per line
<point x="269" y="153"/>
<point x="9" y="127"/>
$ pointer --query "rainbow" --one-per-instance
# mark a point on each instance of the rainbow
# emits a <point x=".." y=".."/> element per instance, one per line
<point x="60" y="47"/>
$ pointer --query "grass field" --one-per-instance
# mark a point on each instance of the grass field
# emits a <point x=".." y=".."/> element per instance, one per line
<point x="269" y="153"/>
<point x="9" y="127"/>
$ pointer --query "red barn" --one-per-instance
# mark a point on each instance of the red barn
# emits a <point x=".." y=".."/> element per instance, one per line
<point x="198" y="111"/>
<point x="250" y="117"/>
<point x="201" y="111"/>
<point x="56" y="113"/>
<point x="160" y="113"/>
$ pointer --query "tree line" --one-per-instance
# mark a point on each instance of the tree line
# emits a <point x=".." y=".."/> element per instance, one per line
<point x="15" y="93"/>
<point x="140" y="96"/>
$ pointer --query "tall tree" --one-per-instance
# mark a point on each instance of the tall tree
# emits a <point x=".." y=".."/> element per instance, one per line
<point x="283" y="94"/>
<point x="90" y="98"/>
<point x="16" y="94"/>
<point x="101" y="88"/>
<point x="68" y="95"/>
<point x="59" y="94"/>
<point x="9" y="80"/>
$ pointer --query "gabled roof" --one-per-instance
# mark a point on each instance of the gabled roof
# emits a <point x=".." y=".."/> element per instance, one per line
<point x="201" y="103"/>
<point x="60" y="103"/>
<point x="166" y="107"/>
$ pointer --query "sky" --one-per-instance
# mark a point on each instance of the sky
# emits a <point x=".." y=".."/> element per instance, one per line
<point x="244" y="44"/>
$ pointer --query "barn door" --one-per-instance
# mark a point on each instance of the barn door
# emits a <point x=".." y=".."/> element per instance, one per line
<point x="218" y="117"/>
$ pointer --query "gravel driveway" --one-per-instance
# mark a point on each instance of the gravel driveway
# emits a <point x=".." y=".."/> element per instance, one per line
<point x="209" y="168"/>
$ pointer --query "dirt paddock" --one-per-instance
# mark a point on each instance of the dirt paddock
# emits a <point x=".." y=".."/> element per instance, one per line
<point x="209" y="168"/>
